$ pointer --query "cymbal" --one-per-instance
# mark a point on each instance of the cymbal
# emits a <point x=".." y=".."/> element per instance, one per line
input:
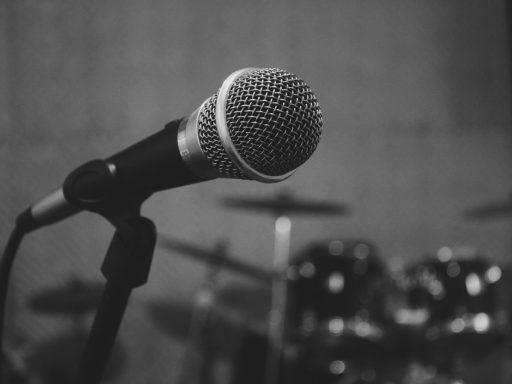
<point x="216" y="257"/>
<point x="247" y="305"/>
<point x="75" y="297"/>
<point x="285" y="203"/>
<point x="490" y="210"/>
<point x="173" y="317"/>
<point x="56" y="359"/>
<point x="236" y="307"/>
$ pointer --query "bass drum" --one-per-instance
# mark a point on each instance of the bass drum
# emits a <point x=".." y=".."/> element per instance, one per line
<point x="337" y="312"/>
<point x="457" y="288"/>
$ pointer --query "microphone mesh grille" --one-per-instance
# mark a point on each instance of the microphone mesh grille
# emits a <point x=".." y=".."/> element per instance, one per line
<point x="273" y="119"/>
<point x="210" y="142"/>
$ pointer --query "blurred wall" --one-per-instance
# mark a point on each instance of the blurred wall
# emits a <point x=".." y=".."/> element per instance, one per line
<point x="416" y="101"/>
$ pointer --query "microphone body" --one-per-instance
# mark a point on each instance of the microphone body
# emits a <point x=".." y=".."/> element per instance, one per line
<point x="261" y="125"/>
<point x="154" y="163"/>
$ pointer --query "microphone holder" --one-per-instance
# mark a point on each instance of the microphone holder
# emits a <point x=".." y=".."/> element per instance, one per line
<point x="95" y="186"/>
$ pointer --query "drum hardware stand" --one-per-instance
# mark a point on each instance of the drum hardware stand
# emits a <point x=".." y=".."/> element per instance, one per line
<point x="199" y="333"/>
<point x="280" y="206"/>
<point x="95" y="187"/>
<point x="277" y="321"/>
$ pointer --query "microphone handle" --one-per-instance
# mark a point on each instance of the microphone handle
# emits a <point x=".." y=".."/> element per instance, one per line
<point x="154" y="163"/>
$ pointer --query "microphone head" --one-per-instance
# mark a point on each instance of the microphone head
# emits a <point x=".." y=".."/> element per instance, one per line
<point x="262" y="124"/>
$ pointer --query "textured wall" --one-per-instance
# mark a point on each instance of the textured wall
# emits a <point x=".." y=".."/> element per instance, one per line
<point x="415" y="96"/>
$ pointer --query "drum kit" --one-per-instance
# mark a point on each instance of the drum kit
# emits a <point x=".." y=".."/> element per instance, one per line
<point x="335" y="313"/>
<point x="343" y="315"/>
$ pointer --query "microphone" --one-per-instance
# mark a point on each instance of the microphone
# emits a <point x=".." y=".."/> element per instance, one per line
<point x="262" y="124"/>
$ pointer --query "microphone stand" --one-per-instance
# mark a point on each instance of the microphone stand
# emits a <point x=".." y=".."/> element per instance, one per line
<point x="96" y="186"/>
<point x="126" y="266"/>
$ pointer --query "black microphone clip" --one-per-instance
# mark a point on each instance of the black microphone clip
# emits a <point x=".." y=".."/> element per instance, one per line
<point x="96" y="187"/>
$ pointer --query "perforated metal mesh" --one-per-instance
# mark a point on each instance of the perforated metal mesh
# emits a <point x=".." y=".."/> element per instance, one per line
<point x="211" y="144"/>
<point x="273" y="119"/>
